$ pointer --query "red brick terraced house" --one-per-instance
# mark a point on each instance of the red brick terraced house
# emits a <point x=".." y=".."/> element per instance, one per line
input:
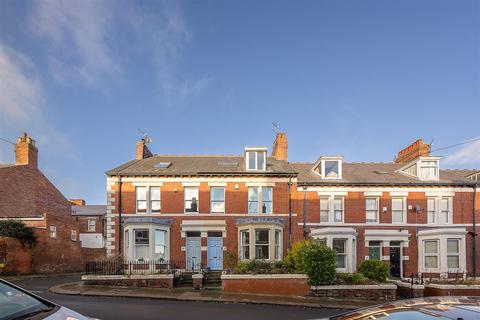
<point x="195" y="208"/>
<point x="28" y="196"/>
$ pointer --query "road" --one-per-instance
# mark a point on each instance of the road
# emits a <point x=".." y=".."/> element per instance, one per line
<point x="133" y="308"/>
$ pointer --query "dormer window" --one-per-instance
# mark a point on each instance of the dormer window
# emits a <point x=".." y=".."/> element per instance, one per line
<point x="423" y="168"/>
<point x="255" y="159"/>
<point x="329" y="167"/>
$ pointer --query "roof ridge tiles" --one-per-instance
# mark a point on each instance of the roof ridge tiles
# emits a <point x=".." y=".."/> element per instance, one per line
<point x="197" y="155"/>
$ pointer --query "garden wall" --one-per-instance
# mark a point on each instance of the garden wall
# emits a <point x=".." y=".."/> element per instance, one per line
<point x="278" y="284"/>
<point x="406" y="290"/>
<point x="153" y="281"/>
<point x="15" y="258"/>
<point x="433" y="289"/>
<point x="381" y="292"/>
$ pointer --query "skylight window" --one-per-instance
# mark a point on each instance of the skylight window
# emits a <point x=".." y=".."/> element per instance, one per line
<point x="162" y="165"/>
<point x="228" y="163"/>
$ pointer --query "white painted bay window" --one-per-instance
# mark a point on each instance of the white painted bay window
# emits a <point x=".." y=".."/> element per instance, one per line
<point x="217" y="199"/>
<point x="262" y="245"/>
<point x="340" y="247"/>
<point x="191" y="199"/>
<point x="453" y="253"/>
<point x="430" y="248"/>
<point x="245" y="245"/>
<point x="142" y="244"/>
<point x="278" y="246"/>
<point x="160" y="244"/>
<point x="260" y="242"/>
<point x="442" y="250"/>
<point x="371" y="205"/>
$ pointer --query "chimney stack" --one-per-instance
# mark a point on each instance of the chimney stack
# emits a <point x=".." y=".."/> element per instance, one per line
<point x="413" y="151"/>
<point x="280" y="146"/>
<point x="26" y="152"/>
<point x="77" y="202"/>
<point x="142" y="150"/>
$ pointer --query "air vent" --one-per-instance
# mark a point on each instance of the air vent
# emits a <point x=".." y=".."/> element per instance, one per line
<point x="228" y="163"/>
<point x="162" y="165"/>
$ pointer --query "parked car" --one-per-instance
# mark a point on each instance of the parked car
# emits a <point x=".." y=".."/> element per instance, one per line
<point x="431" y="308"/>
<point x="17" y="303"/>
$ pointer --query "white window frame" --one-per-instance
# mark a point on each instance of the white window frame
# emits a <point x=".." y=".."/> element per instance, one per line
<point x="251" y="229"/>
<point x="242" y="246"/>
<point x="260" y="200"/>
<point x="454" y="254"/>
<point x="425" y="254"/>
<point x="73" y="235"/>
<point x="256" y="151"/>
<point x="137" y="200"/>
<point x="423" y="165"/>
<point x="339" y="160"/>
<point x="404" y="210"/>
<point x="330" y="233"/>
<point x="277" y="245"/>
<point x="343" y="254"/>
<point x="129" y="239"/>
<point x="150" y="200"/>
<point x="185" y="200"/>
<point x="268" y="245"/>
<point x="91" y="225"/>
<point x="331" y="208"/>
<point x="377" y="204"/>
<point x="437" y="210"/>
<point x="442" y="236"/>
<point x="211" y="201"/>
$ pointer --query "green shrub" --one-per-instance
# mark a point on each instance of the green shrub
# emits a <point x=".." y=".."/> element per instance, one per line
<point x="17" y="229"/>
<point x="318" y="262"/>
<point x="242" y="267"/>
<point x="291" y="261"/>
<point x="231" y="260"/>
<point x="260" y="267"/>
<point x="351" y="278"/>
<point x="374" y="270"/>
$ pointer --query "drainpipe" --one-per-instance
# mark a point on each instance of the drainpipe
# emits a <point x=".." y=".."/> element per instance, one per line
<point x="289" y="213"/>
<point x="474" y="234"/>
<point x="120" y="234"/>
<point x="304" y="212"/>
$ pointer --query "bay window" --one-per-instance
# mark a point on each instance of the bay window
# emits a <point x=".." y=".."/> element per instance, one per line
<point x="453" y="253"/>
<point x="262" y="244"/>
<point x="339" y="246"/>
<point x="146" y="241"/>
<point x="278" y="255"/>
<point x="142" y="243"/>
<point x="244" y="245"/>
<point x="430" y="248"/>
<point x="160" y="244"/>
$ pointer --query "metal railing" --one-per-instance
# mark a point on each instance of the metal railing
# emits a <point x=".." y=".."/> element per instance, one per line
<point x="122" y="266"/>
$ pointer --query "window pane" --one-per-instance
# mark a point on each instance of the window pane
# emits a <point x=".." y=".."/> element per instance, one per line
<point x="397" y="204"/>
<point x="217" y="193"/>
<point x="261" y="252"/>
<point x="191" y="199"/>
<point x="253" y="194"/>
<point x="341" y="261"/>
<point x="251" y="160"/>
<point x="397" y="216"/>
<point x="431" y="262"/>
<point x="339" y="245"/>
<point x="444" y="204"/>
<point x="245" y="238"/>
<point x="371" y="204"/>
<point x="155" y="206"/>
<point x="141" y="237"/>
<point x="453" y="262"/>
<point x="260" y="160"/>
<point x="218" y="207"/>
<point x="141" y="193"/>
<point x="155" y="193"/>
<point x="261" y="236"/>
<point x="160" y="244"/>
<point x="331" y="169"/>
<point x="141" y="206"/>
<point x="266" y="194"/>
<point x="277" y="244"/>
<point x="452" y="246"/>
<point x="338" y="207"/>
<point x="374" y="253"/>
<point x="262" y="244"/>
<point x="324" y="204"/>
<point x="431" y="247"/>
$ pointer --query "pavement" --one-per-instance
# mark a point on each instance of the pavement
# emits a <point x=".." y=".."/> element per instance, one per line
<point x="117" y="307"/>
<point x="207" y="295"/>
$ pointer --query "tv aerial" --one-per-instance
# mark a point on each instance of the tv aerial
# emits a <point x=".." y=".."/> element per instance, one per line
<point x="275" y="127"/>
<point x="146" y="137"/>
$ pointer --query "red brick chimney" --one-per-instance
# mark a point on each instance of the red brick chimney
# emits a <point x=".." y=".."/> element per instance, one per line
<point x="280" y="146"/>
<point x="77" y="202"/>
<point x="413" y="151"/>
<point x="25" y="151"/>
<point x="142" y="150"/>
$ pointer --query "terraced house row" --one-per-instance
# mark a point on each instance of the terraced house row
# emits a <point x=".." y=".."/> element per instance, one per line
<point x="194" y="209"/>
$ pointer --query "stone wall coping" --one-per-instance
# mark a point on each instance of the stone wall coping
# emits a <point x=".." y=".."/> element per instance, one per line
<point x="127" y="277"/>
<point x="452" y="286"/>
<point x="356" y="287"/>
<point x="263" y="276"/>
<point x="408" y="285"/>
<point x="197" y="276"/>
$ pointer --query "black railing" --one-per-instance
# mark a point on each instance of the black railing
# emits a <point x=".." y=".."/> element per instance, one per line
<point x="122" y="266"/>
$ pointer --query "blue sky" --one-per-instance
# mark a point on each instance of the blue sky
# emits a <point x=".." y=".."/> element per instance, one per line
<point x="358" y="78"/>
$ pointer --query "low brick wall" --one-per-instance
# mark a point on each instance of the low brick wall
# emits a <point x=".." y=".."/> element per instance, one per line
<point x="406" y="290"/>
<point x="153" y="281"/>
<point x="278" y="284"/>
<point x="197" y="280"/>
<point x="451" y="290"/>
<point x="18" y="258"/>
<point x="381" y="292"/>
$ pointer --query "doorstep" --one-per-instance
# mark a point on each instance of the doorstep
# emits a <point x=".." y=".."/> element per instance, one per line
<point x="183" y="294"/>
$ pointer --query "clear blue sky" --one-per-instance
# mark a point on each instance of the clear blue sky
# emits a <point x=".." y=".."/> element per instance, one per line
<point x="357" y="78"/>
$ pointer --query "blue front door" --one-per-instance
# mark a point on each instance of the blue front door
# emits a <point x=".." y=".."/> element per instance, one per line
<point x="194" y="254"/>
<point x="215" y="253"/>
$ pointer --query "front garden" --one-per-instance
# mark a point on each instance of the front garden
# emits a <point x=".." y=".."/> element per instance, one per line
<point x="309" y="268"/>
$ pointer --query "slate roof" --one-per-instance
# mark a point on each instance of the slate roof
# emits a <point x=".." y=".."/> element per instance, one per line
<point x="198" y="165"/>
<point x="377" y="173"/>
<point x="89" y="210"/>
